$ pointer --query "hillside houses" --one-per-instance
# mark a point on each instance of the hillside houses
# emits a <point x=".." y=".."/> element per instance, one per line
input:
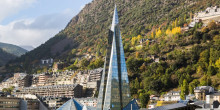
<point x="86" y="79"/>
<point x="209" y="13"/>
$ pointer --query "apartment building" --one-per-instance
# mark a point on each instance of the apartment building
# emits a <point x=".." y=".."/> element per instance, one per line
<point x="92" y="102"/>
<point x="68" y="91"/>
<point x="172" y="96"/>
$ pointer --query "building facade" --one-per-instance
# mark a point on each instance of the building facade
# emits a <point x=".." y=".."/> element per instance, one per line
<point x="68" y="91"/>
<point x="172" y="96"/>
<point x="7" y="103"/>
<point x="87" y="101"/>
<point x="202" y="91"/>
<point x="114" y="90"/>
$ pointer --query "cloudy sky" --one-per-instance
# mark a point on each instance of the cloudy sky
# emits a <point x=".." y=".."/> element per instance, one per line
<point x="32" y="22"/>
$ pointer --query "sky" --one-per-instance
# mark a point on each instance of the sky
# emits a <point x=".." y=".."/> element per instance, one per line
<point x="32" y="22"/>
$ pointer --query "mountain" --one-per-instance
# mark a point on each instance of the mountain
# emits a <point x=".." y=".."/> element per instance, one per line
<point x="184" y="55"/>
<point x="88" y="29"/>
<point x="27" y="47"/>
<point x="12" y="49"/>
<point x="5" y="57"/>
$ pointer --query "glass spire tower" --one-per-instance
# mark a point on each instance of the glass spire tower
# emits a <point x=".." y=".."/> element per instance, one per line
<point x="114" y="92"/>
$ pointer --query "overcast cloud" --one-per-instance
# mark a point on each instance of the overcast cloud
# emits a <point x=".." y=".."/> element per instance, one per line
<point x="30" y="31"/>
<point x="34" y="31"/>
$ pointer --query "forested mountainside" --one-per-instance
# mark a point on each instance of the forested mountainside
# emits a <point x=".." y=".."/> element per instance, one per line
<point x="9" y="52"/>
<point x="5" y="57"/>
<point x="88" y="30"/>
<point x="189" y="56"/>
<point x="12" y="49"/>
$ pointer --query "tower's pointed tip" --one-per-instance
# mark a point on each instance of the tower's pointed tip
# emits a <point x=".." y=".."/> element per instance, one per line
<point x="115" y="20"/>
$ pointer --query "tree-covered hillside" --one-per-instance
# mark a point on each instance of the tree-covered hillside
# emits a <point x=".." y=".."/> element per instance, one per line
<point x="5" y="57"/>
<point x="12" y="49"/>
<point x="87" y="32"/>
<point x="190" y="56"/>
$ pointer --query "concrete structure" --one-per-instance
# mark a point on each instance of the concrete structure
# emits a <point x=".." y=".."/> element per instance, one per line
<point x="154" y="98"/>
<point x="59" y="66"/>
<point x="211" y="13"/>
<point x="176" y="106"/>
<point x="35" y="80"/>
<point x="29" y="104"/>
<point x="202" y="91"/>
<point x="150" y="106"/>
<point x="68" y="91"/>
<point x="19" y="80"/>
<point x="172" y="96"/>
<point x="87" y="101"/>
<point x="13" y="103"/>
<point x="95" y="75"/>
<point x="54" y="102"/>
<point x="9" y="103"/>
<point x="47" y="61"/>
<point x="25" y="81"/>
<point x="42" y="79"/>
<point x="213" y="97"/>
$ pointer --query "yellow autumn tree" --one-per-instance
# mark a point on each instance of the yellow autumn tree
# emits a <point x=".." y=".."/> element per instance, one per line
<point x="152" y="34"/>
<point x="176" y="30"/>
<point x="217" y="63"/>
<point x="168" y="32"/>
<point x="133" y="40"/>
<point x="139" y="37"/>
<point x="158" y="33"/>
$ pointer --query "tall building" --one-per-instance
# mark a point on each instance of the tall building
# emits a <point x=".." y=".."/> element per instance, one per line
<point x="114" y="92"/>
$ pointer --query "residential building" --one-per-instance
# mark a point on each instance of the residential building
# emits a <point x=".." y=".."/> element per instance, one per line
<point x="150" y="106"/>
<point x="216" y="97"/>
<point x="42" y="79"/>
<point x="154" y="98"/>
<point x="213" y="97"/>
<point x="87" y="101"/>
<point x="19" y="80"/>
<point x="65" y="78"/>
<point x="59" y="66"/>
<point x="9" y="103"/>
<point x="202" y="91"/>
<point x="35" y="80"/>
<point x="25" y="81"/>
<point x="68" y="91"/>
<point x="176" y="106"/>
<point x="14" y="103"/>
<point x="172" y="96"/>
<point x="209" y="14"/>
<point x="29" y="104"/>
<point x="95" y="75"/>
<point x="47" y="61"/>
<point x="54" y="102"/>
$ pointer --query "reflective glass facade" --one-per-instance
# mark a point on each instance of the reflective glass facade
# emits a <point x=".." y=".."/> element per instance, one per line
<point x="114" y="90"/>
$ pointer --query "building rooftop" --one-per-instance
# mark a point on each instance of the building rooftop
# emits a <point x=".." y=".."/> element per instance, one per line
<point x="169" y="107"/>
<point x="72" y="104"/>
